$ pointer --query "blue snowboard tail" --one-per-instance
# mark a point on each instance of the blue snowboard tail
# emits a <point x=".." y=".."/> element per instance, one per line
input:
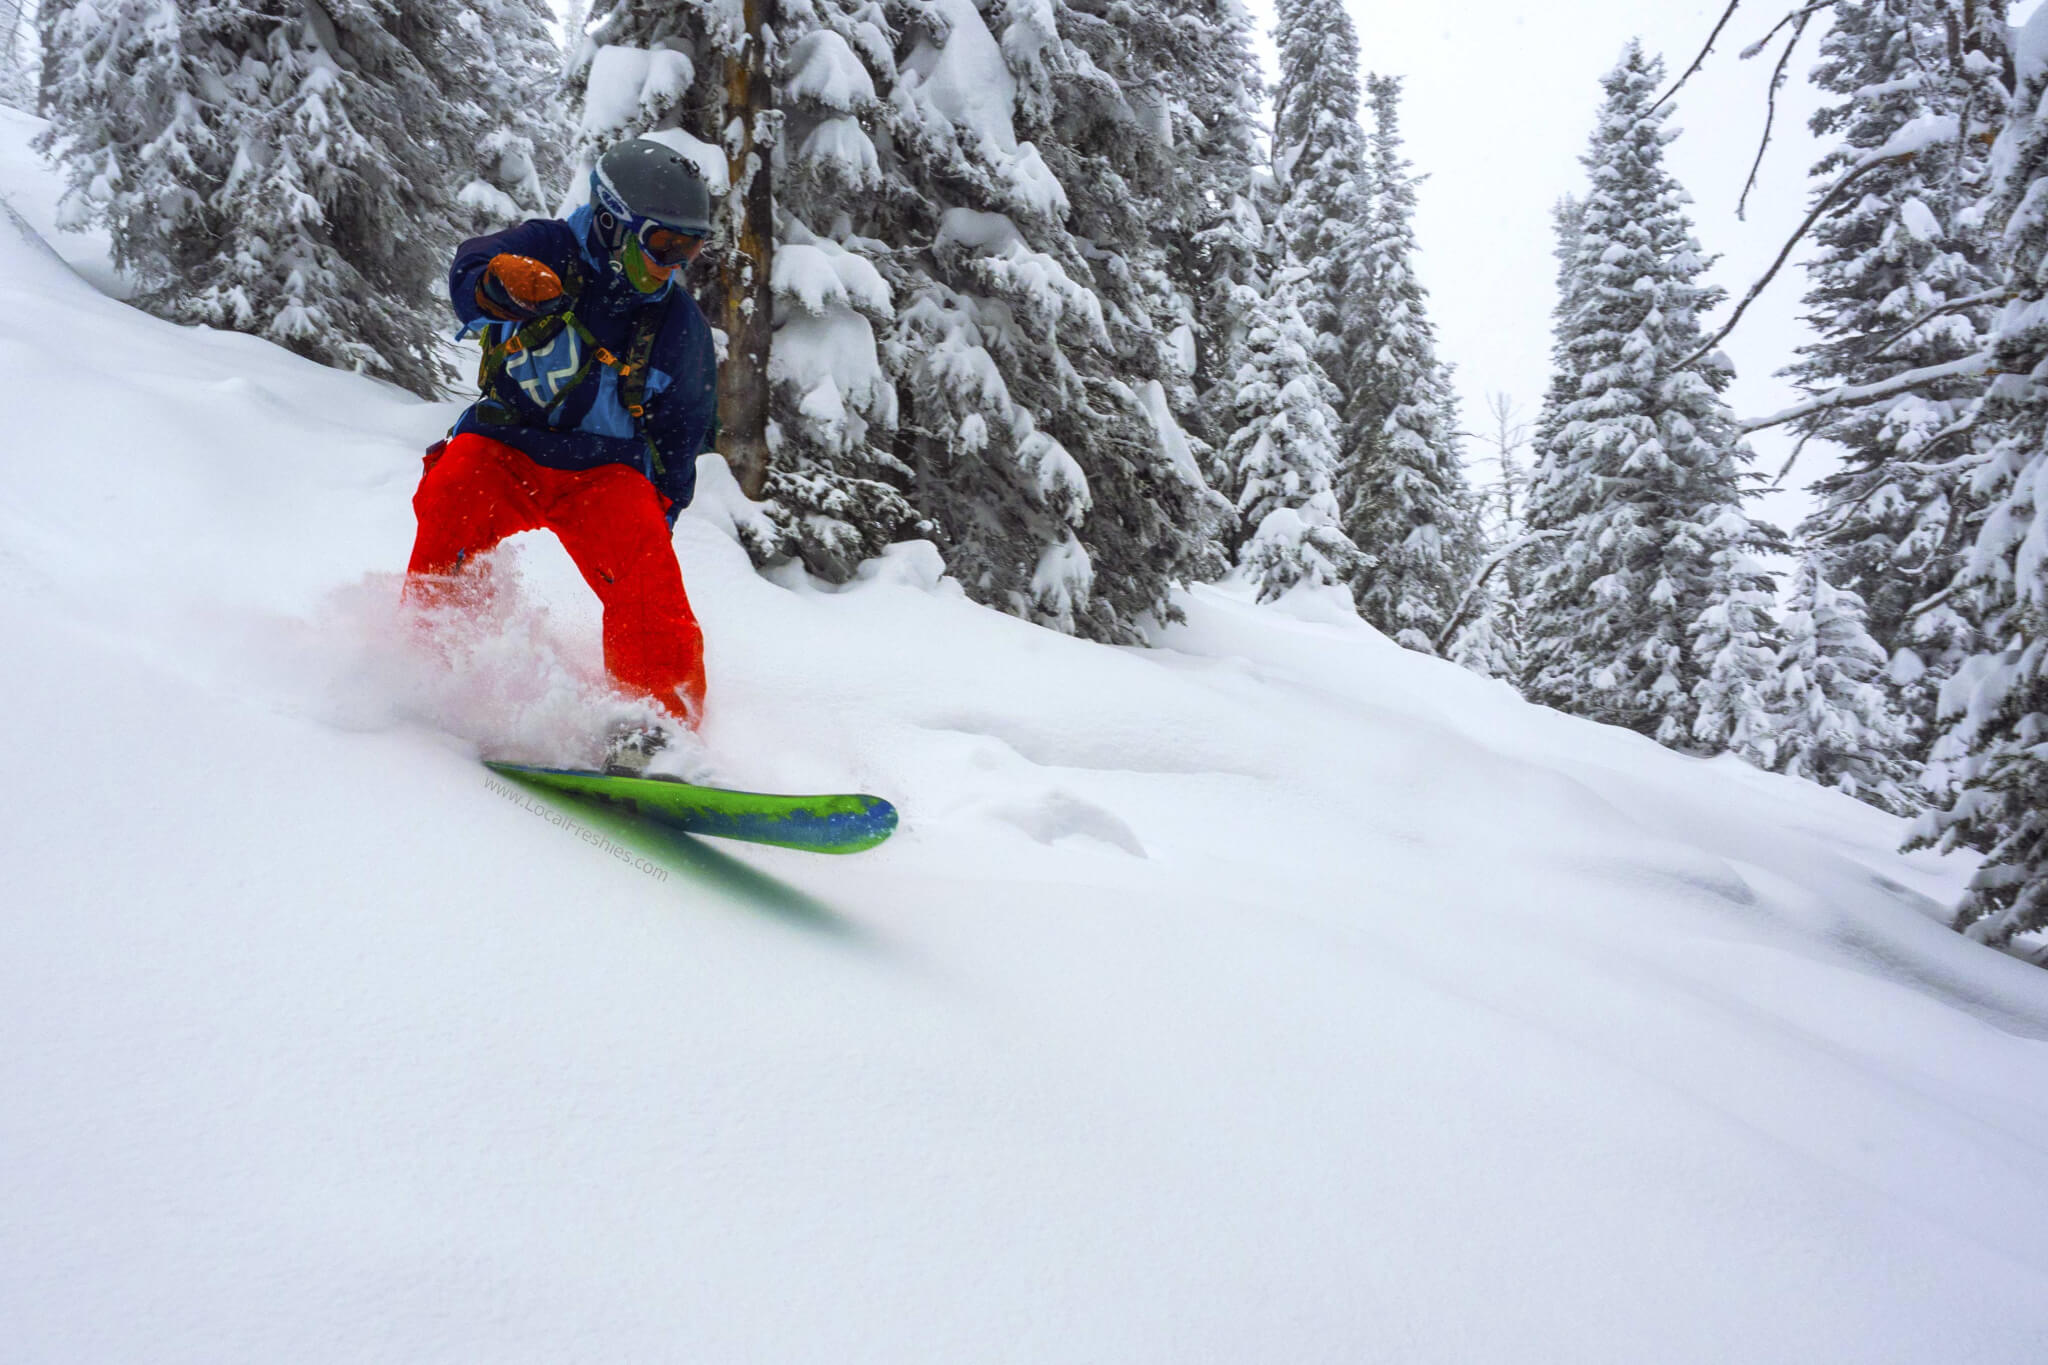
<point x="816" y="824"/>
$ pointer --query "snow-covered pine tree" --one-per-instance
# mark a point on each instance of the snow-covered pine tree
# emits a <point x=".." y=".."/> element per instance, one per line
<point x="1226" y="312"/>
<point x="1192" y="168"/>
<point x="640" y="67"/>
<point x="1567" y="220"/>
<point x="835" y="487"/>
<point x="1489" y="644"/>
<point x="1014" y="405"/>
<point x="1899" y="261"/>
<point x="1835" y="723"/>
<point x="1486" y="625"/>
<point x="512" y="71"/>
<point x="1221" y="250"/>
<point x="1319" y="167"/>
<point x="1405" y="499"/>
<point x="1282" y="457"/>
<point x="830" y="490"/>
<point x="1734" y="644"/>
<point x="1643" y="480"/>
<point x="1279" y="404"/>
<point x="274" y="167"/>
<point x="1108" y="111"/>
<point x="575" y="21"/>
<point x="1066" y="492"/>
<point x="18" y="59"/>
<point x="1205" y="215"/>
<point x="1995" y="708"/>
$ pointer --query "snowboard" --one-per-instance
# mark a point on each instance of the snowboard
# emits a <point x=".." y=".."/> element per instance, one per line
<point x="815" y="824"/>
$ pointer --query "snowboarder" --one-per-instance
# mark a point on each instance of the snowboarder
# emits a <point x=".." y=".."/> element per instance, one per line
<point x="598" y="392"/>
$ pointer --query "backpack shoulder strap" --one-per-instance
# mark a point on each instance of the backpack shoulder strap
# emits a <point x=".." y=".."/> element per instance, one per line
<point x="634" y="374"/>
<point x="639" y="363"/>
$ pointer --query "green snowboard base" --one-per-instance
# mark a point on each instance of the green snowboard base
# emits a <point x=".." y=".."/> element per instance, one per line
<point x="815" y="824"/>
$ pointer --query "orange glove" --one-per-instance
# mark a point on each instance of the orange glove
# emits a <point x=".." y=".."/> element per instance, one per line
<point x="516" y="288"/>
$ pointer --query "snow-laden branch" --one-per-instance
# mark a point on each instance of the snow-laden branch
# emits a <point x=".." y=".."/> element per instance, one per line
<point x="1856" y="395"/>
<point x="1486" y="568"/>
<point x="1883" y="156"/>
<point x="1998" y="295"/>
<point x="1916" y="612"/>
<point x="1961" y="426"/>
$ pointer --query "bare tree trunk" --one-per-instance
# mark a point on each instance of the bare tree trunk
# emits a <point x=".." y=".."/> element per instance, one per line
<point x="747" y="312"/>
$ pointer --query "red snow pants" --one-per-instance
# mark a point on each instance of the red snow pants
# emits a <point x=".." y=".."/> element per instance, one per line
<point x="610" y="520"/>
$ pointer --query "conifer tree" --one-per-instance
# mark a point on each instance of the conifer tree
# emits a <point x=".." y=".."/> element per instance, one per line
<point x="1488" y="619"/>
<point x="1014" y="402"/>
<point x="831" y="489"/>
<point x="279" y="168"/>
<point x="835" y="487"/>
<point x="1406" y="502"/>
<point x="1319" y="166"/>
<point x="1642" y="485"/>
<point x="1995" y="708"/>
<point x="638" y="67"/>
<point x="1898" y="264"/>
<point x="1117" y="132"/>
<point x="1489" y="645"/>
<point x="17" y="57"/>
<point x="1567" y="220"/>
<point x="1178" y="152"/>
<point x="512" y="70"/>
<point x="1238" y="244"/>
<point x="1214" y="238"/>
<point x="1067" y="492"/>
<point x="1282" y="458"/>
<point x="1835" y="723"/>
<point x="1734" y="646"/>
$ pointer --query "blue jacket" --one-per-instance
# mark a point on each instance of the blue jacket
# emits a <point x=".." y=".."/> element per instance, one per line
<point x="590" y="425"/>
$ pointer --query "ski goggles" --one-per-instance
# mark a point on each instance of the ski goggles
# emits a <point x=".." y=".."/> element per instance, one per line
<point x="667" y="247"/>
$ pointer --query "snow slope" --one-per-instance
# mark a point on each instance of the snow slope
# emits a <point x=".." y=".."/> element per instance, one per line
<point x="1275" y="994"/>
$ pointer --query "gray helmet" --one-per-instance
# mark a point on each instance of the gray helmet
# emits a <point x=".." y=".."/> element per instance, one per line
<point x="642" y="181"/>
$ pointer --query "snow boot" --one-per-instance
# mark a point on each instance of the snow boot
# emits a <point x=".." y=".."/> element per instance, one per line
<point x="632" y="746"/>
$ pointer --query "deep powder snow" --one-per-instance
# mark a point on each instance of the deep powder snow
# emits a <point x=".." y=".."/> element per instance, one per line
<point x="1273" y="994"/>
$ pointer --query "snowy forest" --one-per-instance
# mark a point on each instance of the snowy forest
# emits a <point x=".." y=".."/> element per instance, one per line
<point x="1070" y="290"/>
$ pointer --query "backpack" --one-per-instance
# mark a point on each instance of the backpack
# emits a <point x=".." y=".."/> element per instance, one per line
<point x="497" y="406"/>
